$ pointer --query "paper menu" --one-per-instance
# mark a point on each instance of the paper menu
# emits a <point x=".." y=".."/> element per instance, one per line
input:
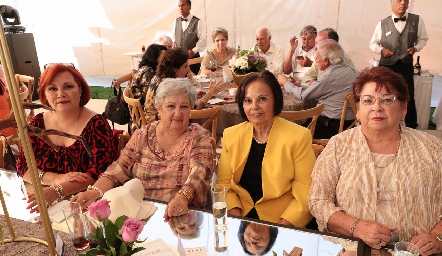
<point x="156" y="247"/>
<point x="197" y="251"/>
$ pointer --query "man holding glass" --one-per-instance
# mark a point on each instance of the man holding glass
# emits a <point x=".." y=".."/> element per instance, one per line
<point x="188" y="33"/>
<point x="396" y="38"/>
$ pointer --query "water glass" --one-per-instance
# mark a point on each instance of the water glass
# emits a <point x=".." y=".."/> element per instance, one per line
<point x="74" y="219"/>
<point x="219" y="207"/>
<point x="405" y="249"/>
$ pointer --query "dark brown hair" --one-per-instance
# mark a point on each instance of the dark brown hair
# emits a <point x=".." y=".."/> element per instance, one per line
<point x="267" y="78"/>
<point x="173" y="59"/>
<point x="385" y="78"/>
<point x="48" y="75"/>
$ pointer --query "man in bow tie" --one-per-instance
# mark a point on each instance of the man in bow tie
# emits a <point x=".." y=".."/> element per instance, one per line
<point x="396" y="38"/>
<point x="188" y="33"/>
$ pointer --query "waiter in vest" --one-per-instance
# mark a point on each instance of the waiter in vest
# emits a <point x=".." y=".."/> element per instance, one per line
<point x="396" y="38"/>
<point x="188" y="33"/>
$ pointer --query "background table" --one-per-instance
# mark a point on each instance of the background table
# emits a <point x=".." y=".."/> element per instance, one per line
<point x="422" y="94"/>
<point x="437" y="115"/>
<point x="135" y="58"/>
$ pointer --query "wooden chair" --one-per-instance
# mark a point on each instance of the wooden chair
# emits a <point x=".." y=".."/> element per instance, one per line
<point x="348" y="100"/>
<point x="304" y="114"/>
<point x="195" y="61"/>
<point x="317" y="149"/>
<point x="122" y="79"/>
<point x="14" y="139"/>
<point x="137" y="116"/>
<point x="212" y="116"/>
<point x="2" y="151"/>
<point x="122" y="141"/>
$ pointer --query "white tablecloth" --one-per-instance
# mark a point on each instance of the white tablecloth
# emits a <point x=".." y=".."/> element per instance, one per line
<point x="135" y="58"/>
<point x="422" y="95"/>
<point x="437" y="115"/>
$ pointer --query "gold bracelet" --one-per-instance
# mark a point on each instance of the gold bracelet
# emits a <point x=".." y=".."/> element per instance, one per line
<point x="186" y="193"/>
<point x="205" y="102"/>
<point x="40" y="176"/>
<point x="90" y="187"/>
<point x="352" y="229"/>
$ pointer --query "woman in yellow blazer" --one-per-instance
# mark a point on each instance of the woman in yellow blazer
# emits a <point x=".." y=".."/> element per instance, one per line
<point x="266" y="162"/>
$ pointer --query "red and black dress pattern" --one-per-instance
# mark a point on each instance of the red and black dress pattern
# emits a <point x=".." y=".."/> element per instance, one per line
<point x="74" y="158"/>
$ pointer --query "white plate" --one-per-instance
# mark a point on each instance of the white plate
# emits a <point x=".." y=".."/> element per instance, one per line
<point x="214" y="101"/>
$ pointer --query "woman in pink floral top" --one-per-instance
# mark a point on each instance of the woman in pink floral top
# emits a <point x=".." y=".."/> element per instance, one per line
<point x="172" y="158"/>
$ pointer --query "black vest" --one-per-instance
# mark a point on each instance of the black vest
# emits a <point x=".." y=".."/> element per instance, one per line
<point x="397" y="42"/>
<point x="186" y="40"/>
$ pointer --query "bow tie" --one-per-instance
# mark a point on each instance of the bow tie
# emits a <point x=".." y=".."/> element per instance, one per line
<point x="183" y="19"/>
<point x="403" y="18"/>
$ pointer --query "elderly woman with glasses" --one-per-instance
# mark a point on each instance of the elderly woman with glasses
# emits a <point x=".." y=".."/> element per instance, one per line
<point x="381" y="181"/>
<point x="172" y="157"/>
<point x="69" y="169"/>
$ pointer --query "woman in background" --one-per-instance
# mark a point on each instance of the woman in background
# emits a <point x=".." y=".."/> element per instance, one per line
<point x="70" y="169"/>
<point x="220" y="54"/>
<point x="146" y="70"/>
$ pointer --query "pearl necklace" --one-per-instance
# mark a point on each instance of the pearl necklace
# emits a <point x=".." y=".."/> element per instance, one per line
<point x="259" y="142"/>
<point x="395" y="154"/>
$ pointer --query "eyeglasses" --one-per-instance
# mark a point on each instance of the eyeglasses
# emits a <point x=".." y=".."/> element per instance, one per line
<point x="386" y="99"/>
<point x="64" y="64"/>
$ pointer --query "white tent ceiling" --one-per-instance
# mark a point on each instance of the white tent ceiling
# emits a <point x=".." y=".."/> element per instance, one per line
<point x="94" y="34"/>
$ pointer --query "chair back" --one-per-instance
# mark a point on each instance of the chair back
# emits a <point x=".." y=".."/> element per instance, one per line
<point x="195" y="61"/>
<point x="212" y="117"/>
<point x="126" y="78"/>
<point x="312" y="113"/>
<point x="348" y="100"/>
<point x="26" y="85"/>
<point x="136" y="110"/>
<point x="317" y="149"/>
<point x="123" y="138"/>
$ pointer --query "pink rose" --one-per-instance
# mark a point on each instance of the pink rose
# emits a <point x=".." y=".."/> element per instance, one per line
<point x="100" y="210"/>
<point x="131" y="228"/>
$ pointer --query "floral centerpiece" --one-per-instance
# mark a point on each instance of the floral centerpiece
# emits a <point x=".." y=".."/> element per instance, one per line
<point x="244" y="62"/>
<point x="113" y="239"/>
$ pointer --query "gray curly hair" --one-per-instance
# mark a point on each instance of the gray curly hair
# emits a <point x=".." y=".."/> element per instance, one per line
<point x="174" y="86"/>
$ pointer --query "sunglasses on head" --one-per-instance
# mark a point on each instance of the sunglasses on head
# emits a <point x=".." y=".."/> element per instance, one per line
<point x="65" y="64"/>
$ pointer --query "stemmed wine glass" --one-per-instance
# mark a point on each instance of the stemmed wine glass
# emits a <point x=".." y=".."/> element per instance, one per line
<point x="213" y="65"/>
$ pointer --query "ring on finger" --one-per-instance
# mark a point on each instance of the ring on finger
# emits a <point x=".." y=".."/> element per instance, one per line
<point x="433" y="246"/>
<point x="180" y="210"/>
<point x="380" y="242"/>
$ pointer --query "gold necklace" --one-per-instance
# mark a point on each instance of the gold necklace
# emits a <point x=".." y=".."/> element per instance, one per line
<point x="395" y="154"/>
<point x="259" y="142"/>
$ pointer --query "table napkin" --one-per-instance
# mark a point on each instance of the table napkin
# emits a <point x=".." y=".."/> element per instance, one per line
<point x="128" y="200"/>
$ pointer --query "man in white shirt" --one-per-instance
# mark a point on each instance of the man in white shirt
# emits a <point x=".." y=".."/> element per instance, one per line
<point x="273" y="53"/>
<point x="166" y="41"/>
<point x="188" y="33"/>
<point x="300" y="58"/>
<point x="396" y="38"/>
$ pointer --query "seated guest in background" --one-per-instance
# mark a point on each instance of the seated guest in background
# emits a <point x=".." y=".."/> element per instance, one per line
<point x="256" y="239"/>
<point x="166" y="41"/>
<point x="300" y="58"/>
<point x="381" y="181"/>
<point x="330" y="88"/>
<point x="221" y="54"/>
<point x="266" y="162"/>
<point x="313" y="73"/>
<point x="172" y="158"/>
<point x="146" y="70"/>
<point x="273" y="53"/>
<point x="173" y="65"/>
<point x="70" y="169"/>
<point x="4" y="106"/>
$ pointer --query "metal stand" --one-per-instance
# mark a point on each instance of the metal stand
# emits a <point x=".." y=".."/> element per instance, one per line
<point x="20" y="119"/>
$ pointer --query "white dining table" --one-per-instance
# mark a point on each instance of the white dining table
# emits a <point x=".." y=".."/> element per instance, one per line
<point x="423" y="86"/>
<point x="135" y="58"/>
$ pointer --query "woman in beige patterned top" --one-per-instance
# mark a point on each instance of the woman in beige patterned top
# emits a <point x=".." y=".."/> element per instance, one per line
<point x="380" y="181"/>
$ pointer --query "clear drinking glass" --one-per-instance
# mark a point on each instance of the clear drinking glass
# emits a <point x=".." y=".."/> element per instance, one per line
<point x="405" y="249"/>
<point x="219" y="207"/>
<point x="74" y="219"/>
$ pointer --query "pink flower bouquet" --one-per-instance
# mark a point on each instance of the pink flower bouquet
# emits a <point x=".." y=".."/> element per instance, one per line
<point x="113" y="239"/>
<point x="246" y="61"/>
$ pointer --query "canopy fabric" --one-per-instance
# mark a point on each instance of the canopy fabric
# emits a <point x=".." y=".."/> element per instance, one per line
<point x="94" y="35"/>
